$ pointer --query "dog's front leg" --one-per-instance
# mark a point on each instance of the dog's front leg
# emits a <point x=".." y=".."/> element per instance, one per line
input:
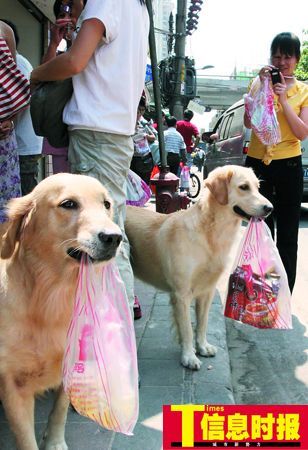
<point x="203" y="304"/>
<point x="54" y="438"/>
<point x="18" y="405"/>
<point x="182" y="319"/>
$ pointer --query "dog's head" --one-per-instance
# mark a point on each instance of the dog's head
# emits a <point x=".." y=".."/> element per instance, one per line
<point x="238" y="188"/>
<point x="64" y="217"/>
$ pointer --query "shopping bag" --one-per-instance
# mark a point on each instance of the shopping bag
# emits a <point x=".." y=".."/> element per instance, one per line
<point x="259" y="106"/>
<point x="137" y="191"/>
<point x="47" y="104"/>
<point x="184" y="177"/>
<point x="258" y="291"/>
<point x="100" y="373"/>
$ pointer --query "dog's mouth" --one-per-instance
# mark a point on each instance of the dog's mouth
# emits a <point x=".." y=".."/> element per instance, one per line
<point x="240" y="212"/>
<point x="79" y="254"/>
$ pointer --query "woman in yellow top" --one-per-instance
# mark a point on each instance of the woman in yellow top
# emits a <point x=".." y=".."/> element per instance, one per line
<point x="281" y="175"/>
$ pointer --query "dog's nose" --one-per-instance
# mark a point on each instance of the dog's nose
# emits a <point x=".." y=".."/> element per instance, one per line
<point x="110" y="240"/>
<point x="268" y="209"/>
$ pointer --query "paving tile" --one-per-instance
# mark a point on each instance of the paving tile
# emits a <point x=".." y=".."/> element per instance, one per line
<point x="161" y="373"/>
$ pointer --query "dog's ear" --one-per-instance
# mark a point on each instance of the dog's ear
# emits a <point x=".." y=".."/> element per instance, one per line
<point x="17" y="209"/>
<point x="218" y="185"/>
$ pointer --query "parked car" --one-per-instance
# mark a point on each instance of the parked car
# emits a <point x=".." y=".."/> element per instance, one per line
<point x="232" y="140"/>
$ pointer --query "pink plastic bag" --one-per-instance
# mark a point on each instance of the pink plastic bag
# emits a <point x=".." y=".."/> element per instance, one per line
<point x="137" y="191"/>
<point x="100" y="373"/>
<point x="258" y="291"/>
<point x="259" y="105"/>
<point x="185" y="177"/>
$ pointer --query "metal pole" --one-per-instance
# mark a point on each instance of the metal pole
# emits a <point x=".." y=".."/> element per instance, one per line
<point x="156" y="89"/>
<point x="177" y="105"/>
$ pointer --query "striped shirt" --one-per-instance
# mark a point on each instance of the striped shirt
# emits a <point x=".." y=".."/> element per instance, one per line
<point x="174" y="141"/>
<point x="14" y="86"/>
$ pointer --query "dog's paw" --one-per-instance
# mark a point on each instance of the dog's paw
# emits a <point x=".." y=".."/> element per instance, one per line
<point x="206" y="350"/>
<point x="191" y="361"/>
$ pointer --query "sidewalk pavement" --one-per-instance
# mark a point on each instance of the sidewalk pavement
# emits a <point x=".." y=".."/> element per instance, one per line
<point x="163" y="381"/>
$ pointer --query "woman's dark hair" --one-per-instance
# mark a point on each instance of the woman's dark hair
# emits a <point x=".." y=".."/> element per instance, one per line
<point x="57" y="6"/>
<point x="288" y="44"/>
<point x="142" y="102"/>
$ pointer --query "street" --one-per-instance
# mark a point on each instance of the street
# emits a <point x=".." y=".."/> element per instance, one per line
<point x="270" y="366"/>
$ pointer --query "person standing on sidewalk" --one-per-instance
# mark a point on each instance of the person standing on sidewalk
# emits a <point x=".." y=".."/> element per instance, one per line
<point x="9" y="163"/>
<point x="190" y="133"/>
<point x="282" y="176"/>
<point x="107" y="61"/>
<point x="175" y="145"/>
<point x="142" y="161"/>
<point x="29" y="145"/>
<point x="59" y="155"/>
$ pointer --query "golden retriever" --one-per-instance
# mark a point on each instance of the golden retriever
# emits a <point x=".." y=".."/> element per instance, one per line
<point x="185" y="252"/>
<point x="49" y="230"/>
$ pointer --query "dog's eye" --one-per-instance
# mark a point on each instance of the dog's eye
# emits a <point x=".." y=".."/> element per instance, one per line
<point x="107" y="204"/>
<point x="244" y="187"/>
<point x="69" y="204"/>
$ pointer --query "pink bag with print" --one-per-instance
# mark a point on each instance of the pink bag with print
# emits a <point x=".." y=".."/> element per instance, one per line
<point x="259" y="106"/>
<point x="184" y="177"/>
<point x="137" y="191"/>
<point x="100" y="373"/>
<point x="258" y="291"/>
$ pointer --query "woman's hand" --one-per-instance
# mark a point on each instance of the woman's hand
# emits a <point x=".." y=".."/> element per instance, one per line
<point x="57" y="32"/>
<point x="5" y="128"/>
<point x="265" y="72"/>
<point x="62" y="30"/>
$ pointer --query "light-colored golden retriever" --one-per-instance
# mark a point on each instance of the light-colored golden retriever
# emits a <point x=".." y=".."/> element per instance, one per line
<point x="65" y="216"/>
<point x="185" y="252"/>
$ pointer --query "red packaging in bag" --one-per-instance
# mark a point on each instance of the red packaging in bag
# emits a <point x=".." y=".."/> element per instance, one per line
<point x="251" y="299"/>
<point x="258" y="292"/>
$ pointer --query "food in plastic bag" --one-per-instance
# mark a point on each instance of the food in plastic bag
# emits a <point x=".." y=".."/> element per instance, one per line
<point x="100" y="373"/>
<point x="258" y="291"/>
<point x="259" y="105"/>
<point x="137" y="191"/>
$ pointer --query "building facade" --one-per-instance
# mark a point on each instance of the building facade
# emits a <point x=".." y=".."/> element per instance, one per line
<point x="162" y="10"/>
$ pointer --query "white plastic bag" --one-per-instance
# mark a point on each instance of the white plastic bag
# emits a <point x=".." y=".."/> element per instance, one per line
<point x="100" y="373"/>
<point x="258" y="292"/>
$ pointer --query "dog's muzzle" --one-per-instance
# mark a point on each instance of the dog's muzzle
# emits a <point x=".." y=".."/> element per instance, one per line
<point x="104" y="249"/>
<point x="266" y="211"/>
